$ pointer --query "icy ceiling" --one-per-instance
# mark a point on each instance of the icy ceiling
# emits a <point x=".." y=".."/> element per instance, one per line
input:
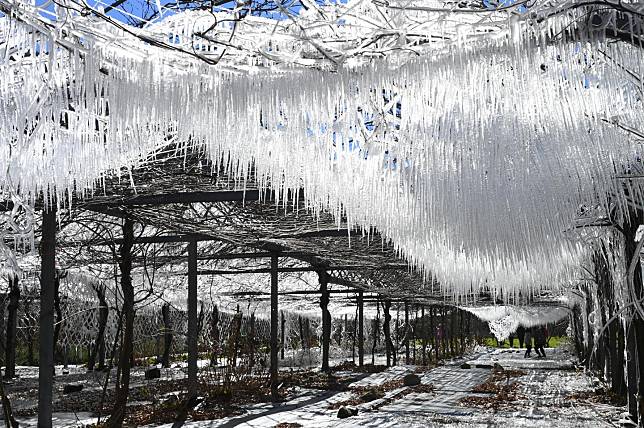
<point x="473" y="144"/>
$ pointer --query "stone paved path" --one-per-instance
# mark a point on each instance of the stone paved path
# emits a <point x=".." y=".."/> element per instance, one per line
<point x="545" y="401"/>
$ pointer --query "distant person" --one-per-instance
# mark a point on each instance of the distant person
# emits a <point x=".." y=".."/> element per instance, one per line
<point x="547" y="333"/>
<point x="521" y="335"/>
<point x="540" y="341"/>
<point x="528" y="342"/>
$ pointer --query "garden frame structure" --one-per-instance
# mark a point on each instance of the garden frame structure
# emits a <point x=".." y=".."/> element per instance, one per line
<point x="268" y="230"/>
<point x="271" y="234"/>
<point x="319" y="243"/>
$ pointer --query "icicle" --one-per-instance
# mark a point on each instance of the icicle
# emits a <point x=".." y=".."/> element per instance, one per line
<point x="473" y="162"/>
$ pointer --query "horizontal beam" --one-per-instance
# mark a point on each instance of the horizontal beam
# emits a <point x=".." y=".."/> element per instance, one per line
<point x="298" y="269"/>
<point x="181" y="258"/>
<point x="177" y="198"/>
<point x="161" y="239"/>
<point x="198" y="237"/>
<point x="106" y="202"/>
<point x="290" y="293"/>
<point x="323" y="233"/>
<point x="189" y="198"/>
<point x="371" y="297"/>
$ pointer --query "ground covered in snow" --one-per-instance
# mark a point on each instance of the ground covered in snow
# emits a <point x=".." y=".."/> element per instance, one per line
<point x="494" y="387"/>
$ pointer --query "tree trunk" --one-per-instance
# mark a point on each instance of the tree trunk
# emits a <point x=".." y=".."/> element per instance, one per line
<point x="59" y="318"/>
<point x="639" y="339"/>
<point x="413" y="335"/>
<point x="353" y="336"/>
<point x="251" y="342"/>
<point x="635" y="332"/>
<point x="590" y="345"/>
<point x="236" y="332"/>
<point x="432" y="332"/>
<point x="461" y="331"/>
<point x="9" y="420"/>
<point x="445" y="332"/>
<point x="453" y="327"/>
<point x="603" y="290"/>
<point x="376" y="334"/>
<point x="406" y="334"/>
<point x="616" y="333"/>
<point x="4" y="300"/>
<point x="167" y="334"/>
<point x="360" y="329"/>
<point x="631" y="372"/>
<point x="30" y="334"/>
<point x="397" y="344"/>
<point x="193" y="320"/>
<point x="326" y="320"/>
<point x="282" y="338"/>
<point x="301" y="325"/>
<point x="123" y="380"/>
<point x="390" y="351"/>
<point x="345" y="337"/>
<point x="274" y="316"/>
<point x="98" y="350"/>
<point x="214" y="332"/>
<point x="12" y="324"/>
<point x="424" y="334"/>
<point x="46" y="319"/>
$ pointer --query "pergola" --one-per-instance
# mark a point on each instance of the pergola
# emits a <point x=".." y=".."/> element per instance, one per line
<point x="389" y="157"/>
<point x="187" y="203"/>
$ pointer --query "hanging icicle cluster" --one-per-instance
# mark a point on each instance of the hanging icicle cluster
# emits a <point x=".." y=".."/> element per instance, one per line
<point x="475" y="162"/>
<point x="504" y="320"/>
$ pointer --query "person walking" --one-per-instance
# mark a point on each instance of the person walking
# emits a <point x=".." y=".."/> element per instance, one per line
<point x="528" y="342"/>
<point x="521" y="335"/>
<point x="540" y="341"/>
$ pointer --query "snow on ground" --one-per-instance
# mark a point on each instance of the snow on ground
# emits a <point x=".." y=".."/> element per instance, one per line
<point x="544" y="399"/>
<point x="545" y="386"/>
<point x="556" y="359"/>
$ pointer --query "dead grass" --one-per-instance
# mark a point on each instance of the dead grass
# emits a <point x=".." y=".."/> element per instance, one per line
<point x="317" y="380"/>
<point x="217" y="403"/>
<point x="501" y="390"/>
<point x="88" y="400"/>
<point x="598" y="396"/>
<point x="365" y="394"/>
<point x="382" y="388"/>
<point x="352" y="367"/>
